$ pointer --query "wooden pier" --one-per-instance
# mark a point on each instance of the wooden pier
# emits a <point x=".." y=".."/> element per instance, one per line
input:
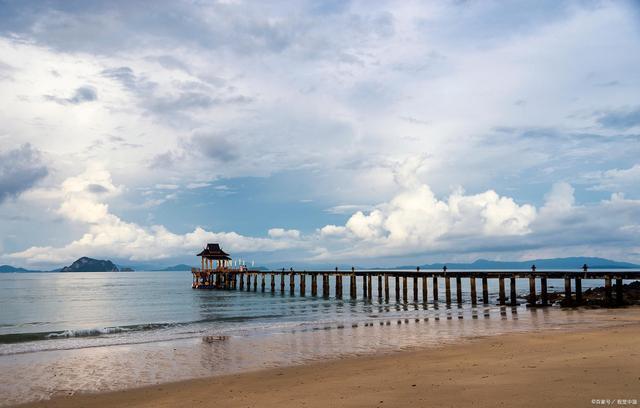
<point x="424" y="284"/>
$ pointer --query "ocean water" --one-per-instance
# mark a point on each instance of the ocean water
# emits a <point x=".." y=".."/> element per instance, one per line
<point x="62" y="333"/>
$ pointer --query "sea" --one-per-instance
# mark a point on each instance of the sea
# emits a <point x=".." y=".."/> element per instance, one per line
<point x="68" y="333"/>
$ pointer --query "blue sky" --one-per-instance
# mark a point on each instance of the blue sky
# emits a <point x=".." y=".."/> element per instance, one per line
<point x="374" y="133"/>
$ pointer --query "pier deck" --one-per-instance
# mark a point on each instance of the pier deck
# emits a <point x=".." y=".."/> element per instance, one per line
<point x="418" y="280"/>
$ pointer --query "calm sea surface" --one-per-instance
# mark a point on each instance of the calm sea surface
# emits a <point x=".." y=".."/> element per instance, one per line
<point x="62" y="333"/>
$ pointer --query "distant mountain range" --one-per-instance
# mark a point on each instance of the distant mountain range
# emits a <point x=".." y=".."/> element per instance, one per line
<point x="558" y="263"/>
<point x="86" y="264"/>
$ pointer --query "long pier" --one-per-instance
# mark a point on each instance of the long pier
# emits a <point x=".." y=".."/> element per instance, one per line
<point x="284" y="281"/>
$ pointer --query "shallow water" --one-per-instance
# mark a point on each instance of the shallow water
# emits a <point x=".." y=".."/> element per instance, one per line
<point x="62" y="333"/>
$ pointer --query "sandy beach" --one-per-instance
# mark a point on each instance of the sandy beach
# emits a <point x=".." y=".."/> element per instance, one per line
<point x="550" y="368"/>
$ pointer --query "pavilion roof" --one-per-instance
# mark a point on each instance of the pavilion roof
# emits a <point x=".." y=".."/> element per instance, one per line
<point x="213" y="251"/>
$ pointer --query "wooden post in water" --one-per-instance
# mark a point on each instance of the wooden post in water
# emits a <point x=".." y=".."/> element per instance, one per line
<point x="532" y="290"/>
<point x="567" y="291"/>
<point x="325" y="285"/>
<point x="364" y="287"/>
<point x="242" y="280"/>
<point x="425" y="290"/>
<point x="292" y="283"/>
<point x="474" y="294"/>
<point x="397" y="288"/>
<point x="415" y="289"/>
<point x="369" y="285"/>
<point x="272" y="279"/>
<point x="263" y="281"/>
<point x="379" y="286"/>
<point x="435" y="289"/>
<point x="404" y="289"/>
<point x="282" y="277"/>
<point x="248" y="282"/>
<point x="543" y="291"/>
<point x="447" y="289"/>
<point x="386" y="287"/>
<point x="578" y="290"/>
<point x="607" y="289"/>
<point x="501" y="293"/>
<point x="485" y="290"/>
<point x="352" y="284"/>
<point x="619" y="297"/>
<point x="314" y="284"/>
<point x="339" y="286"/>
<point x="459" y="290"/>
<point x="303" y="284"/>
<point x="512" y="287"/>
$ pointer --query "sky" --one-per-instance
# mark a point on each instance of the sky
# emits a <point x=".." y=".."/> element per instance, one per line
<point x="374" y="133"/>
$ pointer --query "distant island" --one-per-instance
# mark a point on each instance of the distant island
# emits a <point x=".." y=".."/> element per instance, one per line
<point x="179" y="267"/>
<point x="86" y="264"/>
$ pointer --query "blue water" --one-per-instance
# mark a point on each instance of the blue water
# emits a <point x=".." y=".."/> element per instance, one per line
<point x="45" y="306"/>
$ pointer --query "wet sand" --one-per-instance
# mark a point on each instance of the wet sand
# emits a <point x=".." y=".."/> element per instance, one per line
<point x="550" y="368"/>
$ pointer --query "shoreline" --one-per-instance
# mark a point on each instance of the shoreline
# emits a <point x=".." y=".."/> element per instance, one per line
<point x="569" y="367"/>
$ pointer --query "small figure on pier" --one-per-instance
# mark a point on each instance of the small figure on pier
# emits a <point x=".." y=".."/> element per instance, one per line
<point x="417" y="269"/>
<point x="444" y="269"/>
<point x="533" y="268"/>
<point x="585" y="268"/>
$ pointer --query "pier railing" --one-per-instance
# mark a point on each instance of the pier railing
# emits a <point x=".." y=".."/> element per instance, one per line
<point x="243" y="279"/>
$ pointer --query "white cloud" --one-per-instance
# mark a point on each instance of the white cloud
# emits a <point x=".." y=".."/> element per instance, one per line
<point x="283" y="233"/>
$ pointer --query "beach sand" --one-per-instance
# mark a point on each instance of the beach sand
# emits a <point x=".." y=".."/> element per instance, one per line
<point x="547" y="369"/>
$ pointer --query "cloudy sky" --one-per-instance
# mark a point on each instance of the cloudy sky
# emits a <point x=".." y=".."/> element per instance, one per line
<point x="374" y="133"/>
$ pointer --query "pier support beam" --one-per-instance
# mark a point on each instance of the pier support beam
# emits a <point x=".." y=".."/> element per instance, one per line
<point x="425" y="290"/>
<point x="303" y="284"/>
<point x="325" y="285"/>
<point x="386" y="288"/>
<point x="282" y="277"/>
<point x="397" y="288"/>
<point x="379" y="286"/>
<point x="459" y="290"/>
<point x="607" y="290"/>
<point x="404" y="289"/>
<point x="352" y="286"/>
<point x="485" y="290"/>
<point x="567" y="291"/>
<point x="364" y="287"/>
<point x="619" y="298"/>
<point x="474" y="294"/>
<point x="339" y="286"/>
<point x="263" y="281"/>
<point x="543" y="291"/>
<point x="272" y="281"/>
<point x="578" y="290"/>
<point x="415" y="289"/>
<point x="447" y="289"/>
<point x="512" y="287"/>
<point x="242" y="281"/>
<point x="435" y="289"/>
<point x="532" y="291"/>
<point x="314" y="284"/>
<point x="255" y="282"/>
<point x="292" y="283"/>
<point x="369" y="286"/>
<point x="248" y="282"/>
<point x="501" y="293"/>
